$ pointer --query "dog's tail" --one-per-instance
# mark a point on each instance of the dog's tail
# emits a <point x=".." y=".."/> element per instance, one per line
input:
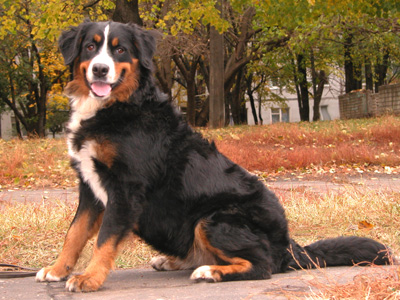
<point x="341" y="251"/>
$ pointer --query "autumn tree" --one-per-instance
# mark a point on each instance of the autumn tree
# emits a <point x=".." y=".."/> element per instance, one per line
<point x="30" y="63"/>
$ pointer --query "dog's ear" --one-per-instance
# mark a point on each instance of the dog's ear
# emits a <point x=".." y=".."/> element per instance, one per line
<point x="69" y="42"/>
<point x="146" y="44"/>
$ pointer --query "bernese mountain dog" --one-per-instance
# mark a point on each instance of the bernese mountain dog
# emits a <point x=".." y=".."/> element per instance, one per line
<point x="144" y="171"/>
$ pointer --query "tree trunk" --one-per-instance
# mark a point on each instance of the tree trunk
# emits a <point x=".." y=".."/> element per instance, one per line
<point x="18" y="128"/>
<point x="259" y="111"/>
<point x="322" y="80"/>
<point x="164" y="75"/>
<point x="217" y="105"/>
<point x="236" y="105"/>
<point x="358" y="76"/>
<point x="188" y="71"/>
<point x="318" y="82"/>
<point x="353" y="80"/>
<point x="303" y="88"/>
<point x="381" y="71"/>
<point x="191" y="101"/>
<point x="249" y="91"/>
<point x="202" y="118"/>
<point x="369" y="79"/>
<point x="127" y="11"/>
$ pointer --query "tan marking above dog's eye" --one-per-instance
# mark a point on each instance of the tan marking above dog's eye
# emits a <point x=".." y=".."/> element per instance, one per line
<point x="115" y="42"/>
<point x="97" y="38"/>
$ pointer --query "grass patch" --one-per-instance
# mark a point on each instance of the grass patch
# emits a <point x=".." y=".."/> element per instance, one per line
<point x="33" y="234"/>
<point x="35" y="164"/>
<point x="289" y="146"/>
<point x="371" y="145"/>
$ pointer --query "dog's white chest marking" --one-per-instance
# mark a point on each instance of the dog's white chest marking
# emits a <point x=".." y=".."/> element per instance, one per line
<point x="84" y="109"/>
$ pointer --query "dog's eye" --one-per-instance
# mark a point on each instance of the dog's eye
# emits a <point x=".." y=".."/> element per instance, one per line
<point x="90" y="47"/>
<point x="120" y="50"/>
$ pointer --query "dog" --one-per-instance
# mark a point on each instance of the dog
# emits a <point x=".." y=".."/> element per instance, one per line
<point x="144" y="171"/>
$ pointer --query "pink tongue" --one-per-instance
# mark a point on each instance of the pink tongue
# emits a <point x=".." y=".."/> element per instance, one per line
<point x="101" y="89"/>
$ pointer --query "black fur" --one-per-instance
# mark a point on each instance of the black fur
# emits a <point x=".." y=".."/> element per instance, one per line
<point x="165" y="180"/>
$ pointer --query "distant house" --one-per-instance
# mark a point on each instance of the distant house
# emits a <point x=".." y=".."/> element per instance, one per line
<point x="6" y="128"/>
<point x="288" y="109"/>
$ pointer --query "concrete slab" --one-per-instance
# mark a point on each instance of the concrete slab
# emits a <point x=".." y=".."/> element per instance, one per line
<point x="146" y="284"/>
<point x="68" y="195"/>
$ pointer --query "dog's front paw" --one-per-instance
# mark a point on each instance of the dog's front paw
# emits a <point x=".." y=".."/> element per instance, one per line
<point x="205" y="273"/>
<point x="50" y="274"/>
<point x="83" y="283"/>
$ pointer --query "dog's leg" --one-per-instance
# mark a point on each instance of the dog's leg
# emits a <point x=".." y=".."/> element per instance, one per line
<point x="114" y="229"/>
<point x="241" y="254"/>
<point x="85" y="225"/>
<point x="170" y="263"/>
<point x="99" y="267"/>
<point x="198" y="255"/>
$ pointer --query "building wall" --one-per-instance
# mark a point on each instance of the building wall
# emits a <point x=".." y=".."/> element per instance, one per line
<point x="6" y="125"/>
<point x="329" y="106"/>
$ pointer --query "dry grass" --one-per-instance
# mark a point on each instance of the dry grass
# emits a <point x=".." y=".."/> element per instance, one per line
<point x="35" y="164"/>
<point x="33" y="235"/>
<point x="385" y="286"/>
<point x="368" y="144"/>
<point x="373" y="283"/>
<point x="289" y="146"/>
<point x="314" y="216"/>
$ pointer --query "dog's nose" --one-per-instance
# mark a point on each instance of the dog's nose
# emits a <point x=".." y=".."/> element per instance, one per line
<point x="100" y="70"/>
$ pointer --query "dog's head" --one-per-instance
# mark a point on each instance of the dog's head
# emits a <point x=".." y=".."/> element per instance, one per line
<point x="108" y="60"/>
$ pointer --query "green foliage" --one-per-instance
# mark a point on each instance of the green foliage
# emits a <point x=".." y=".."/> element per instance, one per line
<point x="57" y="109"/>
<point x="185" y="16"/>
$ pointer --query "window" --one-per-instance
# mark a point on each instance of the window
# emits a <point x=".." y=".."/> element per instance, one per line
<point x="279" y="115"/>
<point x="325" y="113"/>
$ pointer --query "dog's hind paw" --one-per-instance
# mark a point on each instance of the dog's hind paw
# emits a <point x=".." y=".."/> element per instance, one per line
<point x="159" y="263"/>
<point x="205" y="273"/>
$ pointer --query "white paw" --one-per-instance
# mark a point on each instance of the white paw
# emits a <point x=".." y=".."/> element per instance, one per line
<point x="203" y="273"/>
<point x="70" y="286"/>
<point x="159" y="263"/>
<point x="42" y="275"/>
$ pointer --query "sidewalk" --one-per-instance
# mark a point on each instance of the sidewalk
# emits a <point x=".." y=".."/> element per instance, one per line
<point x="147" y="284"/>
<point x="389" y="183"/>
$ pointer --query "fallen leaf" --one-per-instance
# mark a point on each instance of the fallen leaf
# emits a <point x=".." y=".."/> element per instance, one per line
<point x="364" y="225"/>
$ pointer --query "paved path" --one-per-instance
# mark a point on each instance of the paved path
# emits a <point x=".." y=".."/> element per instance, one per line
<point x="71" y="194"/>
<point x="391" y="183"/>
<point x="146" y="284"/>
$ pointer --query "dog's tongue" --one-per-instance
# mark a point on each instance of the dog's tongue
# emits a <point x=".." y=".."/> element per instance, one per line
<point x="101" y="89"/>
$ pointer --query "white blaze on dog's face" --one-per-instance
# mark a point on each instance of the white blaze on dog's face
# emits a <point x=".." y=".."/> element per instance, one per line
<point x="101" y="75"/>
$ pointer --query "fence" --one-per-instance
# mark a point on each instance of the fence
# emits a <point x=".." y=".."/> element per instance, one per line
<point x="365" y="103"/>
